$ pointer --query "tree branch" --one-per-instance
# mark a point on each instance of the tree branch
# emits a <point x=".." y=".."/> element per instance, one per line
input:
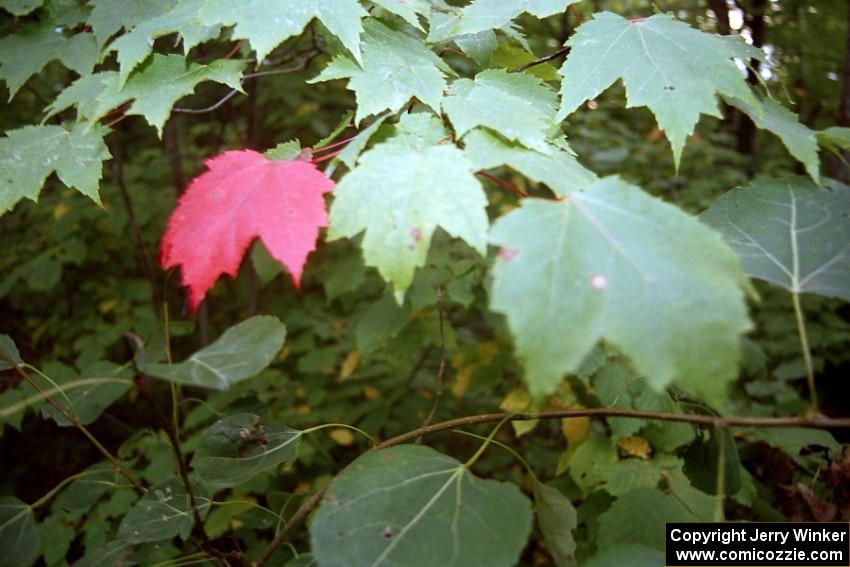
<point x="554" y="55"/>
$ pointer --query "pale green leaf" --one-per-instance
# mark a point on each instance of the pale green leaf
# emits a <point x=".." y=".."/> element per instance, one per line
<point x="34" y="45"/>
<point x="351" y="152"/>
<point x="82" y="93"/>
<point x="792" y="440"/>
<point x="110" y="16"/>
<point x="10" y="353"/>
<point x="516" y="105"/>
<point x="399" y="194"/>
<point x="19" y="537"/>
<point x="557" y="518"/>
<point x="410" y="505"/>
<point x="665" y="65"/>
<point x="84" y="492"/>
<point x="97" y="387"/>
<point x="164" y="512"/>
<point x="243" y="351"/>
<point x="557" y="168"/>
<point x="20" y="7"/>
<point x="614" y="263"/>
<point x="408" y="10"/>
<point x="116" y="553"/>
<point x="135" y="46"/>
<point x="834" y="138"/>
<point x="483" y="15"/>
<point x="395" y="68"/>
<point x="240" y="446"/>
<point x="790" y="233"/>
<point x="639" y="516"/>
<point x="267" y="23"/>
<point x="30" y="154"/>
<point x="798" y="138"/>
<point x="160" y="83"/>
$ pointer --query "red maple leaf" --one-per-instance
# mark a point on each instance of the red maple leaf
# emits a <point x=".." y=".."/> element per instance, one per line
<point x="242" y="196"/>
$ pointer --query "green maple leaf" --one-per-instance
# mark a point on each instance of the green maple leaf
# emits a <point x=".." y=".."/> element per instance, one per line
<point x="27" y="51"/>
<point x="801" y="142"/>
<point x="516" y="105"/>
<point x="154" y="88"/>
<point x="400" y="192"/>
<point x="482" y="15"/>
<point x="20" y="7"/>
<point x="109" y="16"/>
<point x="791" y="233"/>
<point x="396" y="67"/>
<point x="135" y="46"/>
<point x="408" y="10"/>
<point x="613" y="263"/>
<point x="267" y="23"/>
<point x="665" y="65"/>
<point x="28" y="155"/>
<point x="557" y="168"/>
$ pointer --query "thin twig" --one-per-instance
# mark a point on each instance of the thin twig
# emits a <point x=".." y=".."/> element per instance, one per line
<point x="297" y="518"/>
<point x="74" y="420"/>
<point x="503" y="184"/>
<point x="554" y="55"/>
<point x="813" y="422"/>
<point x="301" y="65"/>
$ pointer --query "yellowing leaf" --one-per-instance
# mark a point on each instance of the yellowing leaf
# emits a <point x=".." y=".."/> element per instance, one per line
<point x="371" y="393"/>
<point x="349" y="365"/>
<point x="60" y="210"/>
<point x="516" y="401"/>
<point x="575" y="428"/>
<point x="342" y="436"/>
<point x="635" y="447"/>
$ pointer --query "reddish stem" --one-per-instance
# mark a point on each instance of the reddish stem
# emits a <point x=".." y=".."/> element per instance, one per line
<point x="503" y="184"/>
<point x="326" y="157"/>
<point x="334" y="145"/>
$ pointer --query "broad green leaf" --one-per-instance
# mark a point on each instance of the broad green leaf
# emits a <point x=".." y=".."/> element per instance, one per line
<point x="380" y="322"/>
<point x="82" y="93"/>
<point x="30" y="154"/>
<point x="19" y="539"/>
<point x="798" y="138"/>
<point x="86" y="490"/>
<point x="116" y="553"/>
<point x="613" y="263"/>
<point x="557" y="518"/>
<point x="834" y="138"/>
<point x="792" y="440"/>
<point x="627" y="554"/>
<point x="410" y="505"/>
<point x="134" y="47"/>
<point x="702" y="457"/>
<point x="665" y="65"/>
<point x="516" y="105"/>
<point x="639" y="516"/>
<point x="163" y="512"/>
<point x="408" y="10"/>
<point x="628" y="474"/>
<point x="395" y="68"/>
<point x="399" y="194"/>
<point x="10" y="351"/>
<point x="109" y="16"/>
<point x="483" y="15"/>
<point x="790" y="233"/>
<point x="97" y="387"/>
<point x="351" y="152"/>
<point x="509" y="57"/>
<point x="558" y="169"/>
<point x="266" y="24"/>
<point x="160" y="83"/>
<point x="240" y="446"/>
<point x="243" y="351"/>
<point x="25" y="52"/>
<point x="56" y="535"/>
<point x="20" y="7"/>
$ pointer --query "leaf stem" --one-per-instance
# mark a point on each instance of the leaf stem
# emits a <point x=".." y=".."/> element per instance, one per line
<point x="807" y="355"/>
<point x="344" y="425"/>
<point x="74" y="420"/>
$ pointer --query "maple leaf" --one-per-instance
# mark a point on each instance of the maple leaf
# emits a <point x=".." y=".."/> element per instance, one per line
<point x="244" y="195"/>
